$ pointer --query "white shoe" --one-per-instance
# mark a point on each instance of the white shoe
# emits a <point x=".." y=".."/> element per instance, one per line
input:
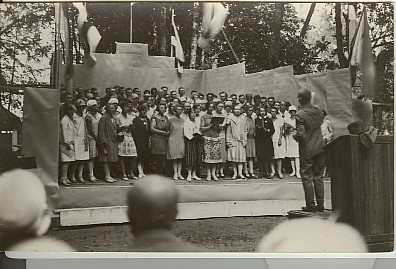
<point x="208" y="179"/>
<point x="293" y="174"/>
<point x="189" y="179"/>
<point x="180" y="177"/>
<point x="141" y="175"/>
<point x="196" y="177"/>
<point x="298" y="176"/>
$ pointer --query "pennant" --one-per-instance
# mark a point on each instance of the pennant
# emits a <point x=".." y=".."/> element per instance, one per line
<point x="213" y="19"/>
<point x="89" y="34"/>
<point x="362" y="56"/>
<point x="175" y="42"/>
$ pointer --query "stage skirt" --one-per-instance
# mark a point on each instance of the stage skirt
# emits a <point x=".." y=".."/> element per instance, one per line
<point x="279" y="151"/>
<point x="67" y="155"/>
<point x="251" y="148"/>
<point x="237" y="152"/>
<point x="194" y="152"/>
<point x="93" y="150"/>
<point x="80" y="149"/>
<point x="212" y="149"/>
<point x="292" y="150"/>
<point x="224" y="154"/>
<point x="127" y="148"/>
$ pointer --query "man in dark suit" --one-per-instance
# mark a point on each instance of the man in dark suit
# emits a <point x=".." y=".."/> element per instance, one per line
<point x="309" y="135"/>
<point x="152" y="208"/>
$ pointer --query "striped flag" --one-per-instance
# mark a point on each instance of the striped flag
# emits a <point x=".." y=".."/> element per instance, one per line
<point x="89" y="35"/>
<point x="361" y="56"/>
<point x="175" y="42"/>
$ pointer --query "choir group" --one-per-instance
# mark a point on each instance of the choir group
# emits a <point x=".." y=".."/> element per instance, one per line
<point x="126" y="128"/>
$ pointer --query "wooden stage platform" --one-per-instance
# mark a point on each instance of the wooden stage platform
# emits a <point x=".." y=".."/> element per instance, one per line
<point x="101" y="202"/>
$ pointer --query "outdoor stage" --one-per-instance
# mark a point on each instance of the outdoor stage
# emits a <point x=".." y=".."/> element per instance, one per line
<point x="97" y="203"/>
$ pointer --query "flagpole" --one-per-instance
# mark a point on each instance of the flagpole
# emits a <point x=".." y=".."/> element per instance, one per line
<point x="131" y="24"/>
<point x="172" y="18"/>
<point x="229" y="44"/>
<point x="57" y="55"/>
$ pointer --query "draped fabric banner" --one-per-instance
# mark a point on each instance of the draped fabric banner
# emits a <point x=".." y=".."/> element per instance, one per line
<point x="40" y="133"/>
<point x="132" y="67"/>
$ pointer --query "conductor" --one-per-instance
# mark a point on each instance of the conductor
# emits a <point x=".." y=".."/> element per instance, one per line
<point x="308" y="134"/>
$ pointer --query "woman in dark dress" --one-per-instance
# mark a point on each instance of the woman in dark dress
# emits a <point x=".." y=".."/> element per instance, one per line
<point x="159" y="139"/>
<point x="264" y="147"/>
<point x="141" y="136"/>
<point x="107" y="135"/>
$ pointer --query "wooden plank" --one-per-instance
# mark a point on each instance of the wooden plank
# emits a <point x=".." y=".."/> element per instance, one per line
<point x="118" y="214"/>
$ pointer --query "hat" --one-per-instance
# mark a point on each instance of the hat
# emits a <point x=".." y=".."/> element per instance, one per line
<point x="23" y="203"/>
<point x="228" y="103"/>
<point x="198" y="101"/>
<point x="357" y="127"/>
<point x="216" y="100"/>
<point x="113" y="101"/>
<point x="134" y="95"/>
<point x="292" y="108"/>
<point x="80" y="103"/>
<point x="91" y="103"/>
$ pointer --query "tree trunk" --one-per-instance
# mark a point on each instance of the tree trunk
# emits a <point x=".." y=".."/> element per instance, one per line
<point x="163" y="32"/>
<point x="339" y="37"/>
<point x="193" y="54"/>
<point x="307" y="20"/>
<point x="277" y="26"/>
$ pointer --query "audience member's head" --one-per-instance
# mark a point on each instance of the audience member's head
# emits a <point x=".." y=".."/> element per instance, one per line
<point x="23" y="207"/>
<point x="312" y="235"/>
<point x="152" y="204"/>
<point x="271" y="101"/>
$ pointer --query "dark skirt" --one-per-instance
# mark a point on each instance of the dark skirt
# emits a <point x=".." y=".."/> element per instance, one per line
<point x="159" y="145"/>
<point x="264" y="148"/>
<point x="194" y="152"/>
<point x="112" y="152"/>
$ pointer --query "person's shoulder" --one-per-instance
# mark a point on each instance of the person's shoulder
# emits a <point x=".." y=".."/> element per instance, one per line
<point x="41" y="244"/>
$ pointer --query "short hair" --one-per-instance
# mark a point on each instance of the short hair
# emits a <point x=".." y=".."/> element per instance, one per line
<point x="208" y="104"/>
<point x="242" y="95"/>
<point x="271" y="97"/>
<point x="164" y="87"/>
<point x="223" y="93"/>
<point x="304" y="96"/>
<point x="142" y="107"/>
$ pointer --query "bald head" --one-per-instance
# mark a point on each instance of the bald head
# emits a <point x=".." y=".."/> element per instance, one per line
<point x="311" y="235"/>
<point x="304" y="96"/>
<point x="152" y="204"/>
<point x="23" y="206"/>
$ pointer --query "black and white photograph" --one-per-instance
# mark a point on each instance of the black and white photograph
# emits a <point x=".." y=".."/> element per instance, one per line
<point x="197" y="127"/>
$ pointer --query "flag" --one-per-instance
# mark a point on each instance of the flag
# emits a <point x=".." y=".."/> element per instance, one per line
<point x="68" y="49"/>
<point x="213" y="19"/>
<point x="362" y="56"/>
<point x="89" y="34"/>
<point x="175" y="42"/>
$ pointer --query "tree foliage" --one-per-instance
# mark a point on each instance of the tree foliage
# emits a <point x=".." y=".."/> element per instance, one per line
<point x="264" y="35"/>
<point x="25" y="42"/>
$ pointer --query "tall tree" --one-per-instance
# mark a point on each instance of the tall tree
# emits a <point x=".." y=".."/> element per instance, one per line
<point x="307" y="20"/>
<point x="340" y="37"/>
<point x="195" y="33"/>
<point x="276" y="28"/>
<point x="163" y="32"/>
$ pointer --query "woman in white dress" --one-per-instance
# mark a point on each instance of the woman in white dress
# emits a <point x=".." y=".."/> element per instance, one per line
<point x="292" y="150"/>
<point x="279" y="143"/>
<point x="81" y="146"/>
<point x="68" y="134"/>
<point x="126" y="148"/>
